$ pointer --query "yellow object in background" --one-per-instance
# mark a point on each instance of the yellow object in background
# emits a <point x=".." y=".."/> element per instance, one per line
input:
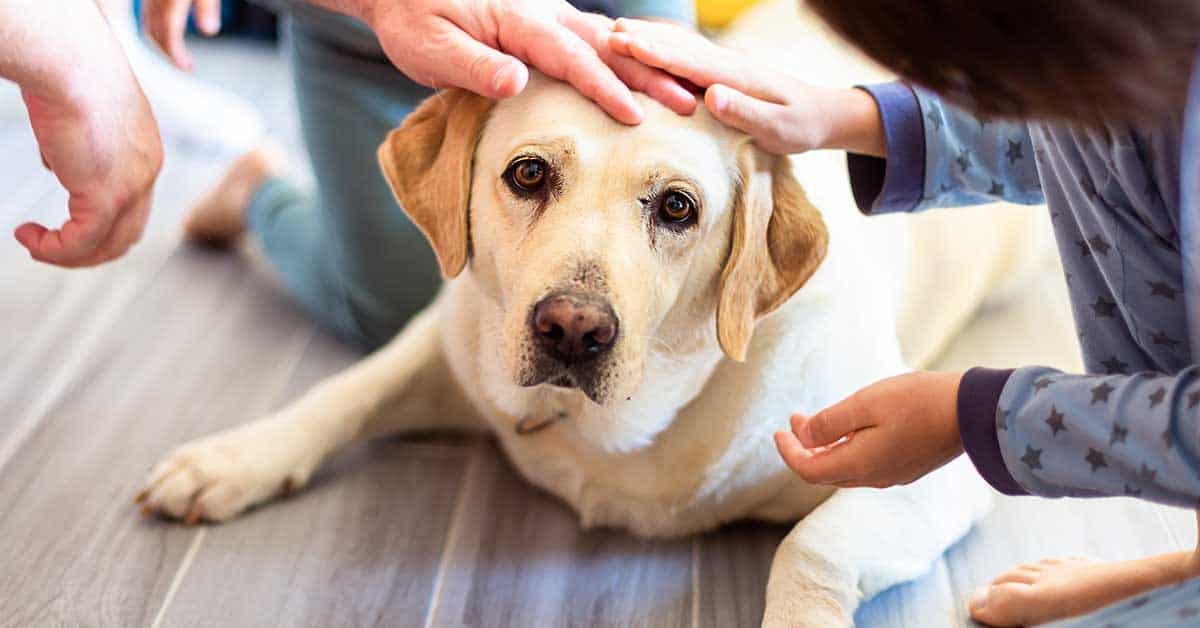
<point x="719" y="13"/>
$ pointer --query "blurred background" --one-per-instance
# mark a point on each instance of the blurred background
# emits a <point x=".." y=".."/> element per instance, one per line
<point x="106" y="369"/>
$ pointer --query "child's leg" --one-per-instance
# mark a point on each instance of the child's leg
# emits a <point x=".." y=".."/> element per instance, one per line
<point x="347" y="253"/>
<point x="1056" y="589"/>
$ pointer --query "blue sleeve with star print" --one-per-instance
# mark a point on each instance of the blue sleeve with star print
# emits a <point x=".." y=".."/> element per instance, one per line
<point x="941" y="156"/>
<point x="1062" y="435"/>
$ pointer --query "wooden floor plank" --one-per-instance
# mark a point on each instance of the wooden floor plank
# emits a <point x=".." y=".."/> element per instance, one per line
<point x="359" y="548"/>
<point x="734" y="563"/>
<point x="74" y="550"/>
<point x="518" y="557"/>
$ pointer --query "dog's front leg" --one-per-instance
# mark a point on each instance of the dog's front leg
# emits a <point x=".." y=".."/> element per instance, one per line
<point x="404" y="386"/>
<point x="862" y="541"/>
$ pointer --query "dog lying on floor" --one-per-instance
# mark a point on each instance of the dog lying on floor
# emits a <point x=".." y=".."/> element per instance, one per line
<point x="632" y="311"/>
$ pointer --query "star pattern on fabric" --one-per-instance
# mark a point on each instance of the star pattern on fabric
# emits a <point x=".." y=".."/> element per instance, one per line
<point x="1160" y="337"/>
<point x="1032" y="458"/>
<point x="1157" y="396"/>
<point x="1114" y="366"/>
<point x="1104" y="308"/>
<point x="1118" y="435"/>
<point x="1084" y="249"/>
<point x="1193" y="399"/>
<point x="1099" y="244"/>
<point x="1146" y="475"/>
<point x="1056" y="421"/>
<point x="1096" y="459"/>
<point x="1160" y="289"/>
<point x="997" y="188"/>
<point x="1100" y="393"/>
<point x="1014" y="152"/>
<point x="964" y="160"/>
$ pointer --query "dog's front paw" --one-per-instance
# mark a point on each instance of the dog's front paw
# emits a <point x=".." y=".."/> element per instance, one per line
<point x="219" y="476"/>
<point x="812" y="610"/>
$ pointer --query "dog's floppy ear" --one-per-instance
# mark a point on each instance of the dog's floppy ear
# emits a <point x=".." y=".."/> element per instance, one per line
<point x="779" y="240"/>
<point x="427" y="162"/>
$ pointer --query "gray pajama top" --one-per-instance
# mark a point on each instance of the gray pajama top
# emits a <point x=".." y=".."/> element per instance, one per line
<point x="1123" y="203"/>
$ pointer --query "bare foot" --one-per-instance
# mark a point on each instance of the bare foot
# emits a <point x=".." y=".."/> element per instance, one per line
<point x="1059" y="588"/>
<point x="219" y="217"/>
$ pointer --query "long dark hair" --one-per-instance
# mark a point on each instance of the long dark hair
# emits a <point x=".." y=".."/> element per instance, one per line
<point x="1081" y="61"/>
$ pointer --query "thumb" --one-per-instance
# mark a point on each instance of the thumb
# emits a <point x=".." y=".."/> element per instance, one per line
<point x="476" y="67"/>
<point x="747" y="114"/>
<point x="829" y="425"/>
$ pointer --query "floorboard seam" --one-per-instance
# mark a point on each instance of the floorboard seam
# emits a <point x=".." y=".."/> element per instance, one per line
<point x="65" y="375"/>
<point x="696" y="581"/>
<point x="184" y="566"/>
<point x="452" y="534"/>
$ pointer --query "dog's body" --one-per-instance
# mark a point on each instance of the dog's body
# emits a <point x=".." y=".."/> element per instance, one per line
<point x="666" y="432"/>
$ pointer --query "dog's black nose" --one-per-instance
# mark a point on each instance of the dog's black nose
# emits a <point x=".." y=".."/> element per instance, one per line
<point x="573" y="327"/>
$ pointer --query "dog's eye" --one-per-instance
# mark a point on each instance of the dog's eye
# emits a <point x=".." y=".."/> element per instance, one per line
<point x="527" y="175"/>
<point x="676" y="208"/>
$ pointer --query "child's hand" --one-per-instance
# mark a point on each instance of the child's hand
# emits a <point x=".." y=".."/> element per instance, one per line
<point x="166" y="21"/>
<point x="782" y="114"/>
<point x="895" y="431"/>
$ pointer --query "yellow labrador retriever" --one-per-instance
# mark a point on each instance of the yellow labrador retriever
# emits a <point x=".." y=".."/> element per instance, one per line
<point x="632" y="311"/>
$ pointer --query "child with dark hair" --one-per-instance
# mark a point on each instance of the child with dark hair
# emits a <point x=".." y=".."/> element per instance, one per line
<point x="1092" y="107"/>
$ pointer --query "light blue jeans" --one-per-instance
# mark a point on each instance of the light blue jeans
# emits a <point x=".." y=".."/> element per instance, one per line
<point x="347" y="252"/>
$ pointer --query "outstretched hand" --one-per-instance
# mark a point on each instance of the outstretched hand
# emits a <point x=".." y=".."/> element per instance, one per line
<point x="891" y="432"/>
<point x="93" y="126"/>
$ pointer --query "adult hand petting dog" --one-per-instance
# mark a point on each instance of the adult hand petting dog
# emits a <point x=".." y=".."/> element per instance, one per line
<point x="479" y="45"/>
<point x="891" y="432"/>
<point x="92" y="123"/>
<point x="783" y="114"/>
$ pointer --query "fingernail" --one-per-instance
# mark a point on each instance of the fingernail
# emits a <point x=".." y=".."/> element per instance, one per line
<point x="501" y="78"/>
<point x="979" y="598"/>
<point x="718" y="99"/>
<point x="209" y="24"/>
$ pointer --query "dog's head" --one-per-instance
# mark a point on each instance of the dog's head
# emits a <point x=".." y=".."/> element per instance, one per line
<point x="597" y="242"/>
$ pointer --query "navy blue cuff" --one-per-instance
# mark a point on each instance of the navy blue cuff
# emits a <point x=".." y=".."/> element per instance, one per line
<point x="894" y="184"/>
<point x="978" y="400"/>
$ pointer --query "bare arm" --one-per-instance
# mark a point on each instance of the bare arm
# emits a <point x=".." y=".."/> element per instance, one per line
<point x="93" y="125"/>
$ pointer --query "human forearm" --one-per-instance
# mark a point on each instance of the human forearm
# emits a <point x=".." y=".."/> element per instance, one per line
<point x="57" y="50"/>
<point x="852" y="122"/>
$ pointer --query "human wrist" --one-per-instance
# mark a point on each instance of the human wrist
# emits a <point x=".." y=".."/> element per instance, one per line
<point x="852" y="122"/>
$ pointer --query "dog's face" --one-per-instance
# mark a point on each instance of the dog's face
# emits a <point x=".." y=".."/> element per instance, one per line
<point x="600" y="243"/>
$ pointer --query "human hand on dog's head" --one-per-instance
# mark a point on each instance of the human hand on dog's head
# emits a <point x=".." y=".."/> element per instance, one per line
<point x="891" y="432"/>
<point x="482" y="46"/>
<point x="783" y="114"/>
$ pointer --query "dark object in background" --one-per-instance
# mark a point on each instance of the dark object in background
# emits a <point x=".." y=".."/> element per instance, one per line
<point x="240" y="18"/>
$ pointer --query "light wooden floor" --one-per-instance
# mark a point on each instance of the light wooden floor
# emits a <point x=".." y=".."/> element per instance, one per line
<point x="104" y="370"/>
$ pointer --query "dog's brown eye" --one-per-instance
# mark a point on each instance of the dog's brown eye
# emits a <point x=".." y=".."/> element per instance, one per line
<point x="676" y="207"/>
<point x="528" y="175"/>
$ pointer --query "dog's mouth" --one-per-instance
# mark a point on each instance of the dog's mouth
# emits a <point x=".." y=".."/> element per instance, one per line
<point x="566" y="378"/>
